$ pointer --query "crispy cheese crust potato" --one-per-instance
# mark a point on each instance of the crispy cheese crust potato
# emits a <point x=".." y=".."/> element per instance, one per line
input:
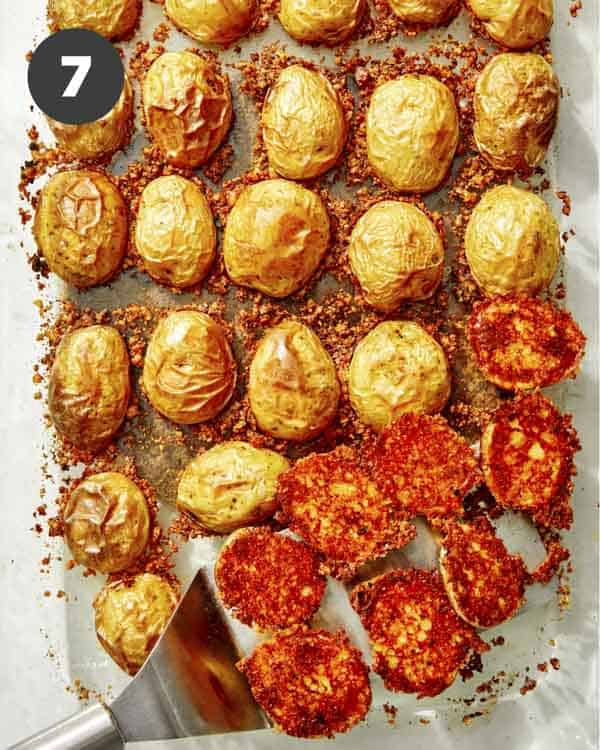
<point x="303" y="124"/>
<point x="310" y="683"/>
<point x="412" y="132"/>
<point x="107" y="522"/>
<point x="397" y="254"/>
<point x="517" y="24"/>
<point x="276" y="235"/>
<point x="429" y="12"/>
<point x="426" y="466"/>
<point x="212" y="21"/>
<point x="516" y="108"/>
<point x="338" y="509"/>
<point x="80" y="227"/>
<point x="418" y="642"/>
<point x="101" y="138"/>
<point x="293" y="386"/>
<point x="187" y="106"/>
<point x="130" y="618"/>
<point x="175" y="232"/>
<point x="397" y="368"/>
<point x="269" y="580"/>
<point x="321" y="21"/>
<point x="485" y="584"/>
<point x="114" y="19"/>
<point x="527" y="453"/>
<point x="189" y="370"/>
<point x="89" y="386"/>
<point x="521" y="343"/>
<point x="231" y="485"/>
<point x="512" y="242"/>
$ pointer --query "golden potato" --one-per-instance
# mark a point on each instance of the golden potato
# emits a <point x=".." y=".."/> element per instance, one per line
<point x="114" y="19"/>
<point x="518" y="24"/>
<point x="231" y="485"/>
<point x="512" y="242"/>
<point x="80" y="227"/>
<point x="187" y="105"/>
<point x="293" y="387"/>
<point x="412" y="132"/>
<point x="397" y="368"/>
<point x="175" y="232"/>
<point x="321" y="21"/>
<point x="89" y="386"/>
<point x="430" y="12"/>
<point x="276" y="235"/>
<point x="396" y="254"/>
<point x="101" y="138"/>
<point x="189" y="370"/>
<point x="516" y="108"/>
<point x="130" y="618"/>
<point x="303" y="123"/>
<point x="107" y="522"/>
<point x="212" y="21"/>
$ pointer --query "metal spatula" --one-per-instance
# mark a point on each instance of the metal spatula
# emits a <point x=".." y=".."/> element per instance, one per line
<point x="189" y="686"/>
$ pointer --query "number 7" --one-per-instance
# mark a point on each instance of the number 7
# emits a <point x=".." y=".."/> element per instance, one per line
<point x="83" y="63"/>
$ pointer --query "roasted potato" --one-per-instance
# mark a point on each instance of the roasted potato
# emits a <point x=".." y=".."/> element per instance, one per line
<point x="114" y="19"/>
<point x="212" y="21"/>
<point x="517" y="24"/>
<point x="425" y="12"/>
<point x="321" y="21"/>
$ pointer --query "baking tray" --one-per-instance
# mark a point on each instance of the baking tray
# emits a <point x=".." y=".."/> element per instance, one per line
<point x="50" y="644"/>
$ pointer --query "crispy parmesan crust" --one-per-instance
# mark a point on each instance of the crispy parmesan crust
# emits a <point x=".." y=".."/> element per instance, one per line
<point x="520" y="342"/>
<point x="418" y="641"/>
<point x="310" y="683"/>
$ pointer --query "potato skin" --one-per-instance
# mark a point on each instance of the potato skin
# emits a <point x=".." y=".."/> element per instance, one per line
<point x="430" y="12"/>
<point x="293" y="387"/>
<point x="276" y="235"/>
<point x="101" y="138"/>
<point x="212" y="21"/>
<point x="517" y="24"/>
<point x="187" y="105"/>
<point x="114" y="19"/>
<point x="231" y="485"/>
<point x="80" y="227"/>
<point x="89" y="386"/>
<point x="131" y="618"/>
<point x="397" y="368"/>
<point x="321" y="21"/>
<point x="303" y="123"/>
<point x="396" y="254"/>
<point x="189" y="370"/>
<point x="412" y="132"/>
<point x="175" y="232"/>
<point x="512" y="242"/>
<point x="516" y="108"/>
<point x="107" y="522"/>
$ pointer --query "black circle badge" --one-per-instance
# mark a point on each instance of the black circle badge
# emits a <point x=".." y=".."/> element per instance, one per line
<point x="75" y="76"/>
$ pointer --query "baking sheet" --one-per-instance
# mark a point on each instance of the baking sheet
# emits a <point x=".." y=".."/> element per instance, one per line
<point x="562" y="711"/>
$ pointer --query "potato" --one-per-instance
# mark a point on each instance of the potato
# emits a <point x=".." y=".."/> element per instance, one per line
<point x="89" y="387"/>
<point x="293" y="386"/>
<point x="321" y="21"/>
<point x="412" y="132"/>
<point x="107" y="522"/>
<point x="276" y="235"/>
<point x="231" y="485"/>
<point x="303" y="123"/>
<point x="130" y="618"/>
<point x="512" y="242"/>
<point x="430" y="12"/>
<point x="518" y="24"/>
<point x="175" y="232"/>
<point x="114" y="19"/>
<point x="397" y="368"/>
<point x="396" y="254"/>
<point x="80" y="227"/>
<point x="187" y="105"/>
<point x="189" y="370"/>
<point x="516" y="108"/>
<point x="212" y="21"/>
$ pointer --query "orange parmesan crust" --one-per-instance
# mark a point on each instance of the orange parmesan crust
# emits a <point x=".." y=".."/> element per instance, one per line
<point x="520" y="342"/>
<point x="310" y="683"/>
<point x="418" y="641"/>
<point x="269" y="580"/>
